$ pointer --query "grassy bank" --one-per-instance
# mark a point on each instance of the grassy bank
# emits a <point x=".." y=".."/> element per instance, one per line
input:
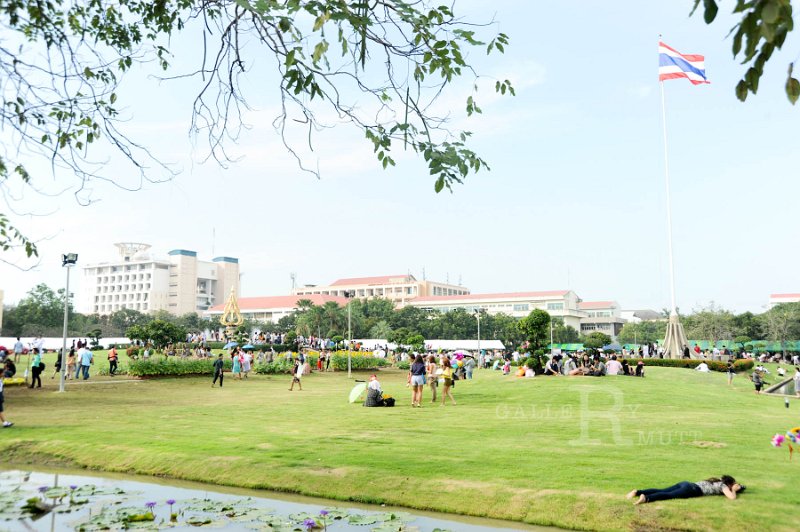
<point x="558" y="451"/>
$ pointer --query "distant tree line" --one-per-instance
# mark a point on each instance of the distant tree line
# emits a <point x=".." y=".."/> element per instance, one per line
<point x="41" y="312"/>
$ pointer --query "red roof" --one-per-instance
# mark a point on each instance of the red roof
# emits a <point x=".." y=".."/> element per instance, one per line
<point x="382" y="279"/>
<point x="507" y="295"/>
<point x="782" y="296"/>
<point x="265" y="303"/>
<point x="595" y="304"/>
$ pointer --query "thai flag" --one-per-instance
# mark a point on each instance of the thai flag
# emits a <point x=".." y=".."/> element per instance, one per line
<point x="672" y="64"/>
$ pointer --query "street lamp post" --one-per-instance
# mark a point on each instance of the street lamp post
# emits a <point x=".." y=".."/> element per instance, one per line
<point x="478" y="315"/>
<point x="67" y="261"/>
<point x="349" y="294"/>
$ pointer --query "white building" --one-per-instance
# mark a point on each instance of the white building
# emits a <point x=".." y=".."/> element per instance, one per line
<point x="601" y="316"/>
<point x="398" y="288"/>
<point x="558" y="303"/>
<point x="272" y="308"/>
<point x="177" y="284"/>
<point x="776" y="299"/>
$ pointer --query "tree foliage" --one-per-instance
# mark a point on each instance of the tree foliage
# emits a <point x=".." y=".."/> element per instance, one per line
<point x="378" y="66"/>
<point x="596" y="340"/>
<point x="536" y="328"/>
<point x="158" y="332"/>
<point x="762" y="29"/>
<point x="642" y="332"/>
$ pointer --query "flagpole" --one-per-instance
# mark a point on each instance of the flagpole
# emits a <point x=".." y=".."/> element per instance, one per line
<point x="674" y="309"/>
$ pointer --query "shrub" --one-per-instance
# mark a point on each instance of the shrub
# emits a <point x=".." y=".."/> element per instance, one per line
<point x="357" y="362"/>
<point x="273" y="368"/>
<point x="168" y="366"/>
<point x="713" y="365"/>
<point x="404" y="364"/>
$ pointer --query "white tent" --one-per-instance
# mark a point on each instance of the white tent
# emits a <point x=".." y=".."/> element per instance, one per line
<point x="436" y="345"/>
<point x="469" y="345"/>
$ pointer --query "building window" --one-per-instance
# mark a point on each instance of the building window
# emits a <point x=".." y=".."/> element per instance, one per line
<point x="555" y="306"/>
<point x="521" y="307"/>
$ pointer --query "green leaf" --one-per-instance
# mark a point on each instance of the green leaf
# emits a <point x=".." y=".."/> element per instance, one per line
<point x="770" y="12"/>
<point x="711" y="10"/>
<point x="792" y="89"/>
<point x="439" y="185"/>
<point x="741" y="90"/>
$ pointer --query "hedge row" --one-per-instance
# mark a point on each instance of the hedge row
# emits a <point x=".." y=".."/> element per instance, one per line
<point x="162" y="367"/>
<point x="713" y="365"/>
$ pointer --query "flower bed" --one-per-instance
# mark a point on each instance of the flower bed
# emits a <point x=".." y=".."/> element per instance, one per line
<point x="357" y="361"/>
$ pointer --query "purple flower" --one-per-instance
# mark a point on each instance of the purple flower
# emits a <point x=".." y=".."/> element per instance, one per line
<point x="42" y="489"/>
<point x="150" y="505"/>
<point x="309" y="523"/>
<point x="170" y="501"/>
<point x="323" y="513"/>
<point x="73" y="487"/>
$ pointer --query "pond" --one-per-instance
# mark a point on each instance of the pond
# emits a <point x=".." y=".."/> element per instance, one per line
<point x="56" y="501"/>
<point x="784" y="388"/>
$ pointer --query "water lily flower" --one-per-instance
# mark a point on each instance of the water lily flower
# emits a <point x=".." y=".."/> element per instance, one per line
<point x="309" y="523"/>
<point x="323" y="513"/>
<point x="42" y="489"/>
<point x="150" y="506"/>
<point x="73" y="487"/>
<point x="170" y="501"/>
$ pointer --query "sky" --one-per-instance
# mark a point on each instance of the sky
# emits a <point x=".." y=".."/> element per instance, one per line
<point x="575" y="198"/>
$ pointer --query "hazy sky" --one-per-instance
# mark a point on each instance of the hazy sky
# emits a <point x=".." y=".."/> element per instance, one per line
<point x="575" y="198"/>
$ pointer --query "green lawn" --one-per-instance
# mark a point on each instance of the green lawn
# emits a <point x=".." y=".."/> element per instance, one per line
<point x="551" y="451"/>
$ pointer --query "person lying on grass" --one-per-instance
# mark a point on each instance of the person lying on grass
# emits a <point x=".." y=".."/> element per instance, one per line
<point x="726" y="485"/>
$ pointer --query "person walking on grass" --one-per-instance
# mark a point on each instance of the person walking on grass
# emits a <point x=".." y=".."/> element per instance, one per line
<point x="59" y="361"/>
<point x="726" y="485"/>
<point x="87" y="359"/>
<point x="5" y="422"/>
<point x="18" y="349"/>
<point x="731" y="372"/>
<point x="416" y="378"/>
<point x="447" y="384"/>
<point x="297" y="374"/>
<point x="36" y="370"/>
<point x="430" y="369"/>
<point x="70" y="363"/>
<point x="758" y="380"/>
<point x="112" y="361"/>
<point x="218" y="370"/>
<point x="237" y="365"/>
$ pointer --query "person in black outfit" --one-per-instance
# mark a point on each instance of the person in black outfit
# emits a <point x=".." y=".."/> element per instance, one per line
<point x="9" y="369"/>
<point x="218" y="364"/>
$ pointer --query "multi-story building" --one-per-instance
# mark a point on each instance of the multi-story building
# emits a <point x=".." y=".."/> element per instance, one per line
<point x="558" y="303"/>
<point x="398" y="288"/>
<point x="273" y="308"/>
<point x="776" y="299"/>
<point x="178" y="284"/>
<point x="601" y="316"/>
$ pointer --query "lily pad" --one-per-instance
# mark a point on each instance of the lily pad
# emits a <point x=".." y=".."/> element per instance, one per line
<point x="362" y="519"/>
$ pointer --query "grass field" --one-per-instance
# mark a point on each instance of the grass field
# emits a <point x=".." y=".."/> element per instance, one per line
<point x="550" y="451"/>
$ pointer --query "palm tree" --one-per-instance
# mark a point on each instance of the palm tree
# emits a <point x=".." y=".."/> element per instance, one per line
<point x="334" y="316"/>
